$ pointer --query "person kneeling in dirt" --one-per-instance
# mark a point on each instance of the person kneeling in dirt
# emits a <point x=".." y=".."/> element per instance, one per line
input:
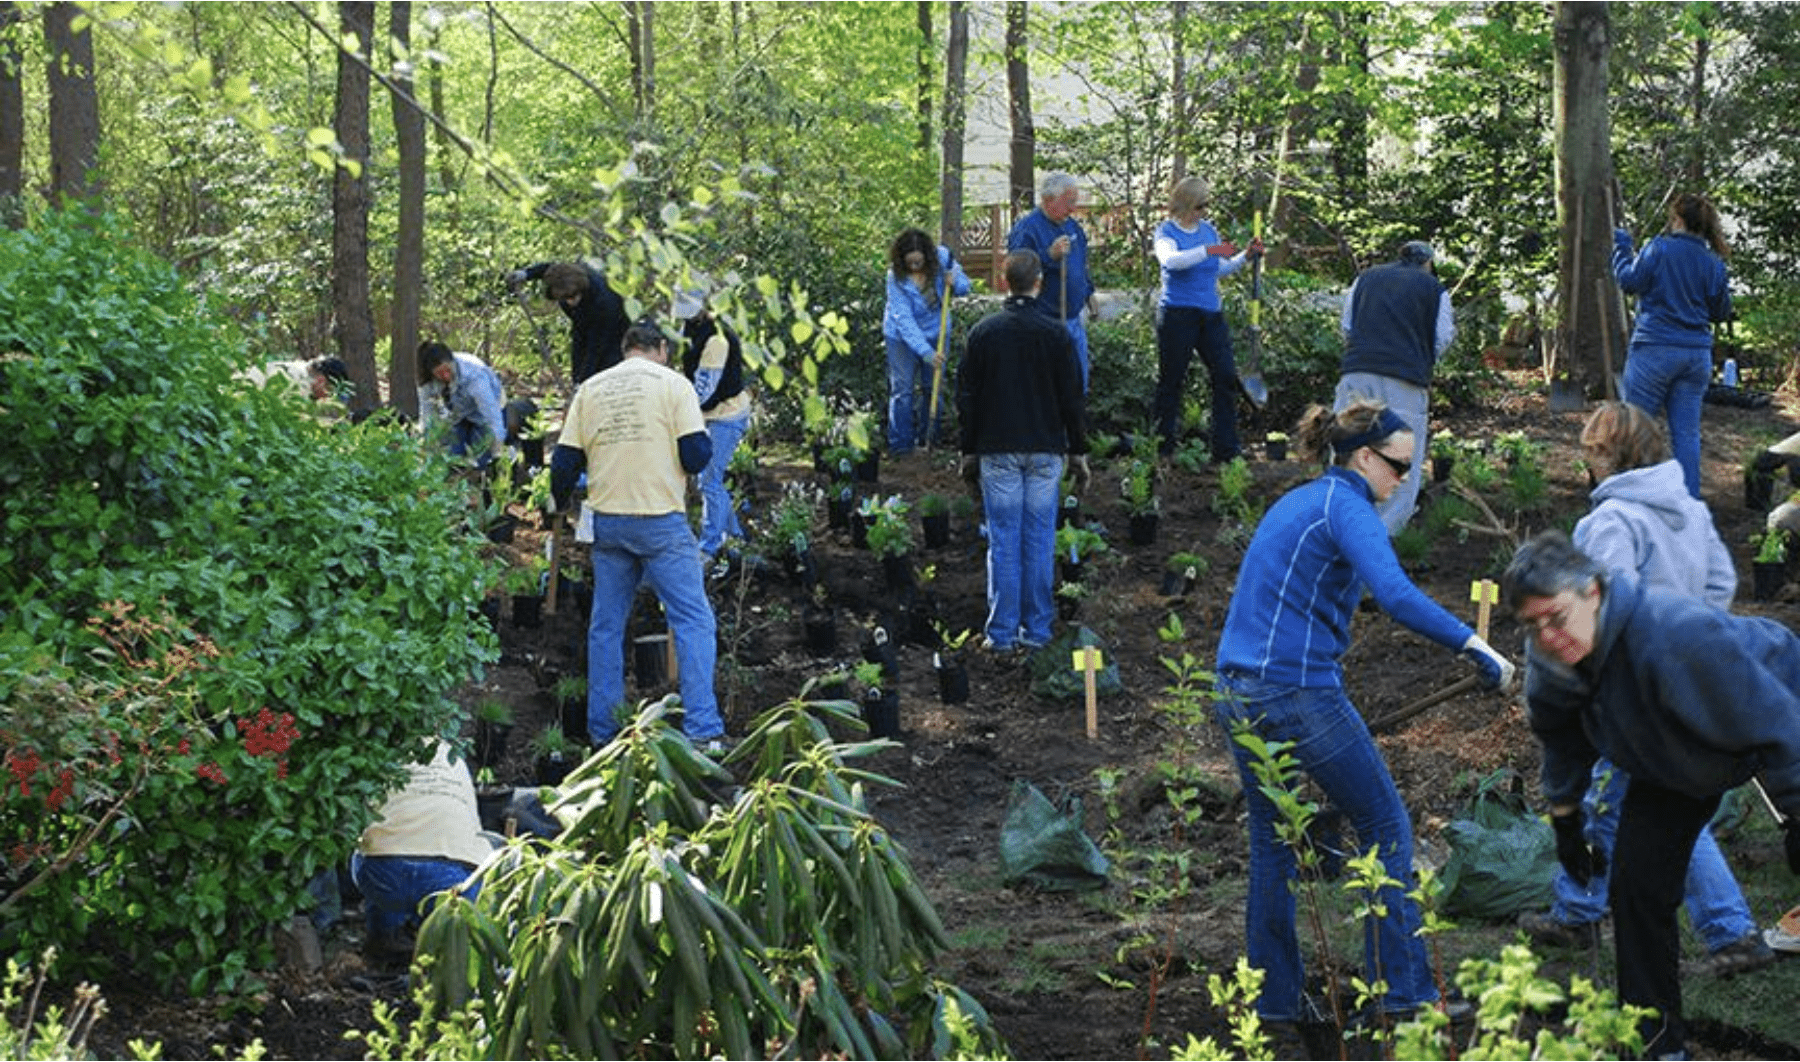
<point x="318" y="379"/>
<point x="1690" y="700"/>
<point x="463" y="401"/>
<point x="428" y="839"/>
<point x="1645" y="522"/>
<point x="1281" y="678"/>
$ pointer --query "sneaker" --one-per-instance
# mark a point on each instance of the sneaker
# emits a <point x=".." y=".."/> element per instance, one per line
<point x="715" y="747"/>
<point x="1543" y="928"/>
<point x="1749" y="952"/>
<point x="1779" y="938"/>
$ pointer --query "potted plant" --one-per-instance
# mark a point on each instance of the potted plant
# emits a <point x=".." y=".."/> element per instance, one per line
<point x="840" y="505"/>
<point x="818" y="622"/>
<point x="1068" y="600"/>
<point x="790" y="528"/>
<point x="1181" y="572"/>
<point x="1068" y="509"/>
<point x="491" y="799"/>
<point x="1275" y="445"/>
<point x="934" y="518"/>
<point x="1075" y="546"/>
<point x="890" y="539"/>
<point x="880" y="703"/>
<point x="570" y="694"/>
<point x="1444" y="446"/>
<point x="1138" y="487"/>
<point x="526" y="585"/>
<point x="1769" y="568"/>
<point x="878" y="648"/>
<point x="952" y="671"/>
<point x="1759" y="478"/>
<point x="493" y="728"/>
<point x="555" y="754"/>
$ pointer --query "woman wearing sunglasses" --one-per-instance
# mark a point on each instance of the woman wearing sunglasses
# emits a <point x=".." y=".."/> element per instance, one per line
<point x="1281" y="679"/>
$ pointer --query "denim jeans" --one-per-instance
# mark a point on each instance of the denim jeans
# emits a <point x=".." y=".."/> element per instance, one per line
<point x="1184" y="330"/>
<point x="909" y="392"/>
<point x="1018" y="493"/>
<point x="718" y="519"/>
<point x="468" y="438"/>
<point x="660" y="550"/>
<point x="1077" y="326"/>
<point x="1715" y="904"/>
<point x="393" y="887"/>
<point x="1332" y="745"/>
<point x="1670" y="382"/>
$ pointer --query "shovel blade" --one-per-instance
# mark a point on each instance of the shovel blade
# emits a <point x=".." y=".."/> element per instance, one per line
<point x="1255" y="390"/>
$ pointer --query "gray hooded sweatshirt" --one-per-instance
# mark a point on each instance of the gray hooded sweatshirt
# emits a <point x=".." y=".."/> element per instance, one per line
<point x="1646" y="523"/>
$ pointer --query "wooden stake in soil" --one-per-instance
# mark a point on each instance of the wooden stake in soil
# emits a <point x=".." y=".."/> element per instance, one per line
<point x="1088" y="661"/>
<point x="554" y="548"/>
<point x="1486" y="594"/>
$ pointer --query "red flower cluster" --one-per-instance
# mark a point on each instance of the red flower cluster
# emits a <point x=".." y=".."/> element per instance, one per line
<point x="23" y="763"/>
<point x="270" y="735"/>
<point x="65" y="786"/>
<point x="212" y="772"/>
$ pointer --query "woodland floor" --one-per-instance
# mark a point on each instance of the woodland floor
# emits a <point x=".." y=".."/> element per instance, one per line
<point x="1067" y="975"/>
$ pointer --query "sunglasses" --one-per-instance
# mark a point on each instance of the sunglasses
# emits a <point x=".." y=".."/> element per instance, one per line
<point x="1402" y="469"/>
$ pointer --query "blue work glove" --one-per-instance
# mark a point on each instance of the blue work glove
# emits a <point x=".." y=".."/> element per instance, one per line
<point x="1496" y="671"/>
<point x="1583" y="862"/>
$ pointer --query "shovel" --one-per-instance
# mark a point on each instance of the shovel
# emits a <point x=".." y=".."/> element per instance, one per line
<point x="1251" y="381"/>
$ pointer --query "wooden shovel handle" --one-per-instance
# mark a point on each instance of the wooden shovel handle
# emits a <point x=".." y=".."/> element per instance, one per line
<point x="1401" y="715"/>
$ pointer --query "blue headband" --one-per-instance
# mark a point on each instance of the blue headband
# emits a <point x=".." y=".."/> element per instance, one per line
<point x="1387" y="422"/>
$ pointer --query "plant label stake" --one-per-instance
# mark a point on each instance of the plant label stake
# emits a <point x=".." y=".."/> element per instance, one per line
<point x="1088" y="661"/>
<point x="553" y="547"/>
<point x="1486" y="594"/>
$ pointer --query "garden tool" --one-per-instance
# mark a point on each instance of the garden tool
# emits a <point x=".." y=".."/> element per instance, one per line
<point x="1401" y="715"/>
<point x="937" y="373"/>
<point x="1251" y="381"/>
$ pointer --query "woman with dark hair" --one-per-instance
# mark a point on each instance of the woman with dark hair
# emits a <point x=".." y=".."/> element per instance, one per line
<point x="921" y="278"/>
<point x="1281" y="680"/>
<point x="1679" y="279"/>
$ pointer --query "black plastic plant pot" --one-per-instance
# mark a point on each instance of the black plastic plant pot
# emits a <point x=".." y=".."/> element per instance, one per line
<point x="878" y="648"/>
<point x="897" y="572"/>
<point x="881" y="711"/>
<point x="1275" y="449"/>
<point x="650" y="661"/>
<point x="937" y="530"/>
<point x="952" y="677"/>
<point x="837" y="512"/>
<point x="1769" y="577"/>
<point x="501" y="530"/>
<point x="820" y="627"/>
<point x="1759" y="489"/>
<point x="1441" y="468"/>
<point x="868" y="470"/>
<point x="1069" y="512"/>
<point x="552" y="768"/>
<point x="490" y="805"/>
<point x="528" y="610"/>
<point x="490" y="611"/>
<point x="572" y="713"/>
<point x="1067" y="608"/>
<point x="859" y="530"/>
<point x="533" y="449"/>
<point x="1142" y="531"/>
<point x="1072" y="571"/>
<point x="1177" y="584"/>
<point x="490" y="744"/>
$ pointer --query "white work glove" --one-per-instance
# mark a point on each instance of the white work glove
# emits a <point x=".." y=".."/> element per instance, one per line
<point x="515" y="278"/>
<point x="1496" y="671"/>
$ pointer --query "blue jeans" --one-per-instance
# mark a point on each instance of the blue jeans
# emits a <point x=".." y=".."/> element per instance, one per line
<point x="1715" y="904"/>
<point x="1184" y="330"/>
<point x="1670" y="382"/>
<point x="393" y="887"/>
<point x="1018" y="493"/>
<point x="909" y="392"/>
<point x="1332" y="745"/>
<point x="718" y="517"/>
<point x="1077" y="327"/>
<point x="660" y="550"/>
<point x="468" y="438"/>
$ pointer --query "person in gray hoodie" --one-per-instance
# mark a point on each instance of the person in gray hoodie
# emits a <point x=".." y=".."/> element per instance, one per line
<point x="1645" y="523"/>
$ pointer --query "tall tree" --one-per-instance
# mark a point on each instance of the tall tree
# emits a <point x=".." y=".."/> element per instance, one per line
<point x="1178" y="92"/>
<point x="640" y="19"/>
<point x="354" y="327"/>
<point x="1589" y="326"/>
<point x="12" y="117"/>
<point x="956" y="64"/>
<point x="409" y="240"/>
<point x="1022" y="145"/>
<point x="74" y="106"/>
<point x="926" y="45"/>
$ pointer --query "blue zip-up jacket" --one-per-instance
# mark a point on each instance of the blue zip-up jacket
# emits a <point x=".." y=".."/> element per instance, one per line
<point x="1301" y="579"/>
<point x="1688" y="696"/>
<point x="1035" y="232"/>
<point x="1681" y="288"/>
<point x="914" y="320"/>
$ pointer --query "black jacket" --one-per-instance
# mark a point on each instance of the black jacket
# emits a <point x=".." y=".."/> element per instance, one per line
<point x="1019" y="390"/>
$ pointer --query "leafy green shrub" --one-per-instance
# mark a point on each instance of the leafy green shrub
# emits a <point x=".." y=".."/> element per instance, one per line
<point x="224" y="625"/>
<point x="665" y="924"/>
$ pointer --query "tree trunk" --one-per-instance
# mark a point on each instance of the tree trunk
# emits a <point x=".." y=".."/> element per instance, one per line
<point x="927" y="42"/>
<point x="409" y="240"/>
<point x="1696" y="167"/>
<point x="448" y="151"/>
<point x="956" y="63"/>
<point x="1295" y="128"/>
<point x="1022" y="153"/>
<point x="74" y="107"/>
<point x="639" y="19"/>
<point x="1178" y="94"/>
<point x="354" y="327"/>
<point x="1588" y="329"/>
<point x="12" y="118"/>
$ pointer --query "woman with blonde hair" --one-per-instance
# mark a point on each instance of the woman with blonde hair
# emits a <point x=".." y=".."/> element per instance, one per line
<point x="1644" y="523"/>
<point x="1680" y="281"/>
<point x="1281" y="679"/>
<point x="1191" y="316"/>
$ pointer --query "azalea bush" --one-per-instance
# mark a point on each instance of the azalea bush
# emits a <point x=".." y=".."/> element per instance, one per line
<point x="226" y="624"/>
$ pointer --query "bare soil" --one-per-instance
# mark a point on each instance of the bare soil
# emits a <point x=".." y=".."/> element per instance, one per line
<point x="1064" y="975"/>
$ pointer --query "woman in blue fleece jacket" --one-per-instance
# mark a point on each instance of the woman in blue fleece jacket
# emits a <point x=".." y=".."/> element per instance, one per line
<point x="1679" y="279"/>
<point x="1281" y="678"/>
<point x="922" y="278"/>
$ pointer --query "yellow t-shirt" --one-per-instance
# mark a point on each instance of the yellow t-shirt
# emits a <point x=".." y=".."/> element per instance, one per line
<point x="433" y="817"/>
<point x="626" y="420"/>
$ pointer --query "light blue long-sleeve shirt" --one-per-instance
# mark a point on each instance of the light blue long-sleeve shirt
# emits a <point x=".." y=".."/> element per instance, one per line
<point x="475" y="394"/>
<point x="911" y="317"/>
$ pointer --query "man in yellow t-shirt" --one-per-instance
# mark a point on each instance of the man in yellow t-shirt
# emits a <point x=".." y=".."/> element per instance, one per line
<point x="637" y="431"/>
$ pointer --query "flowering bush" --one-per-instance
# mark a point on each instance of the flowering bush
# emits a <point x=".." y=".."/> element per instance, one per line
<point x="225" y="625"/>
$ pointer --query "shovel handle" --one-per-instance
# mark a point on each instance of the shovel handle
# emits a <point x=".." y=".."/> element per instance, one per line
<point x="1401" y="715"/>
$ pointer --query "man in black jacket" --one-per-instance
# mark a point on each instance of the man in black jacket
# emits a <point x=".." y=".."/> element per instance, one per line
<point x="596" y="312"/>
<point x="1020" y="405"/>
